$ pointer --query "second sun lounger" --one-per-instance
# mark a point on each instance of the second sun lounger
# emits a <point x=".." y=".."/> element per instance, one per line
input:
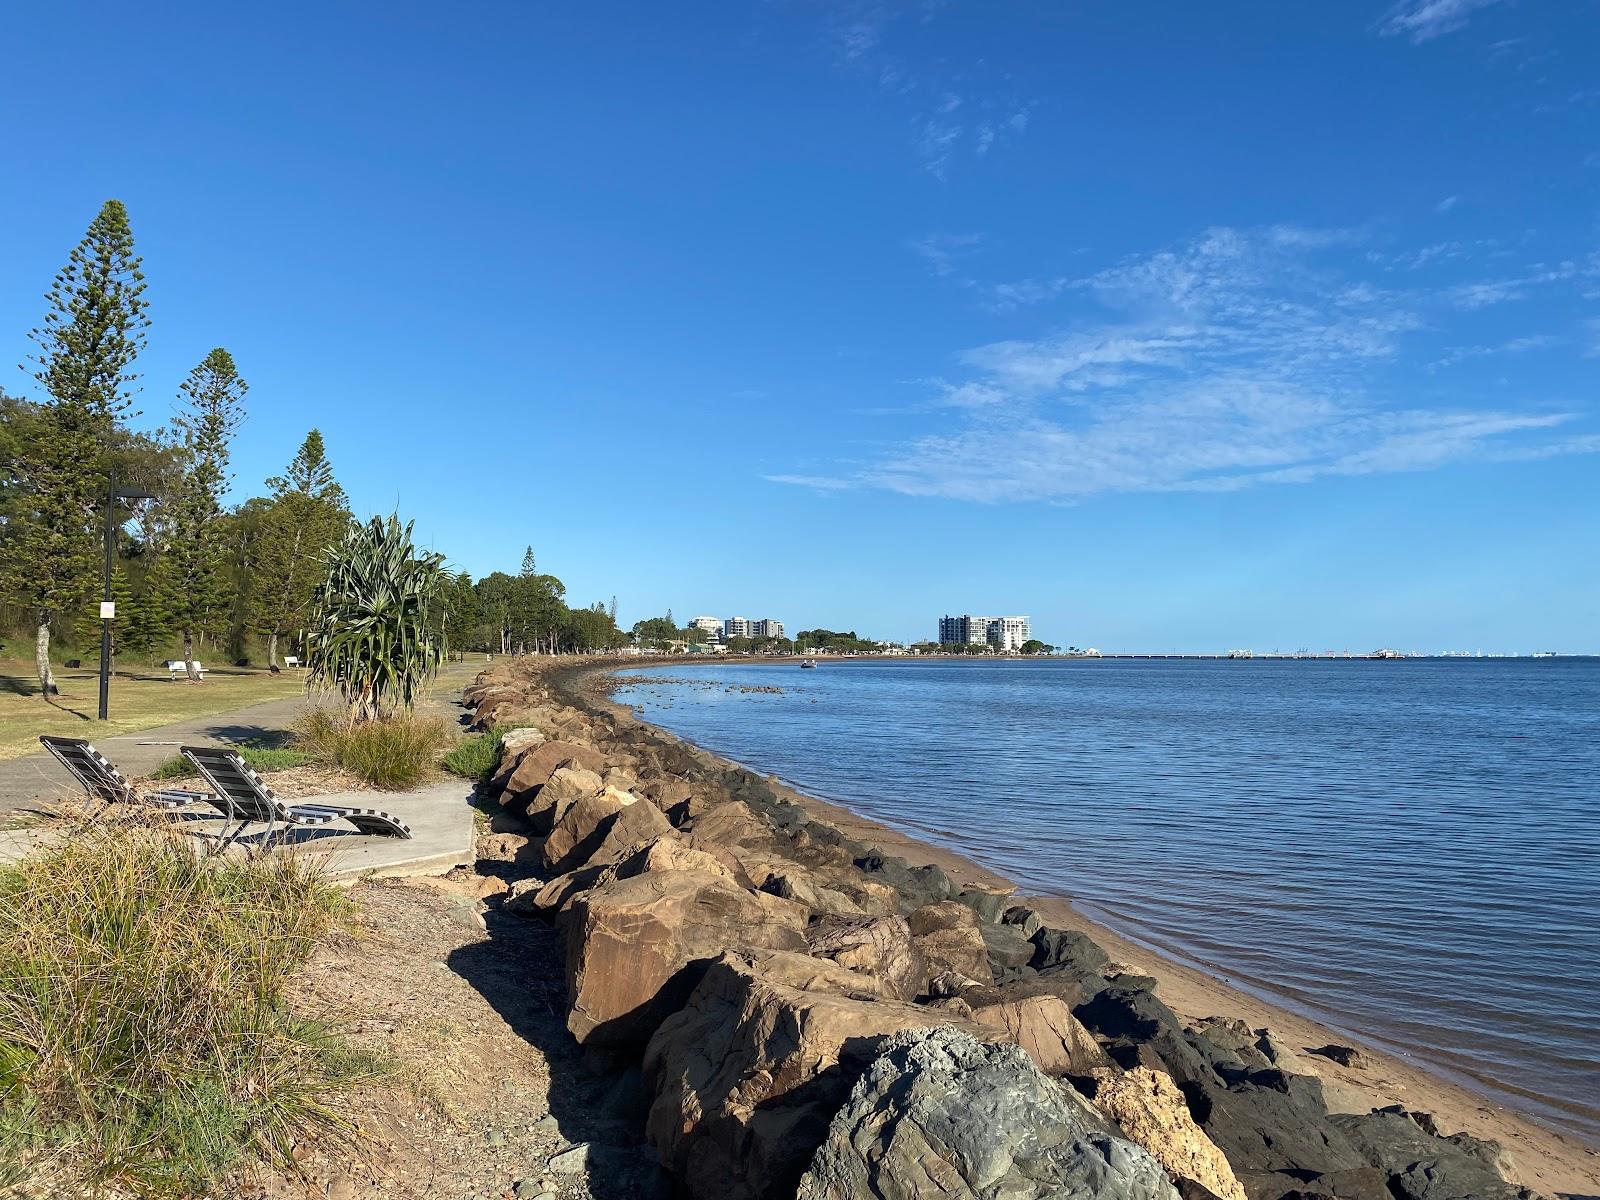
<point x="242" y="796"/>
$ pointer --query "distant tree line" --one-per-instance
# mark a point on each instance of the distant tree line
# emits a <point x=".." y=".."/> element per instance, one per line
<point x="192" y="571"/>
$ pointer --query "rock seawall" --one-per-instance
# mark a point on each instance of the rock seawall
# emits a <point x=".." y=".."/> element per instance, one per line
<point x="814" y="1017"/>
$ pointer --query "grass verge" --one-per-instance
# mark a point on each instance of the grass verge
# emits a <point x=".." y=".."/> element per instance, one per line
<point x="476" y="757"/>
<point x="393" y="754"/>
<point x="145" y="1043"/>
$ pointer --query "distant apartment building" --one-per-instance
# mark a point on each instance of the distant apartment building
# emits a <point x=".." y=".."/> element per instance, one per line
<point x="1004" y="633"/>
<point x="744" y="627"/>
<point x="710" y="626"/>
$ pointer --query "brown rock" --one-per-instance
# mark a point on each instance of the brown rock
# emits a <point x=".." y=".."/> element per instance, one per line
<point x="669" y="852"/>
<point x="877" y="946"/>
<point x="1045" y="1029"/>
<point x="567" y="786"/>
<point x="948" y="936"/>
<point x="633" y="946"/>
<point x="638" y="824"/>
<point x="505" y="847"/>
<point x="1152" y="1113"/>
<point x="732" y="824"/>
<point x="748" y="1074"/>
<point x="581" y="829"/>
<point x="535" y="766"/>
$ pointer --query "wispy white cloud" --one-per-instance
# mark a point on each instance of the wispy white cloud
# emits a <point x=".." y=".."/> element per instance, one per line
<point x="819" y="483"/>
<point x="943" y="251"/>
<point x="1424" y="20"/>
<point x="1519" y="345"/>
<point x="1238" y="359"/>
<point x="1446" y="204"/>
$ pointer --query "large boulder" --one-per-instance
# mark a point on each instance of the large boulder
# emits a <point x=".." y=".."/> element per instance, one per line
<point x="567" y="785"/>
<point x="636" y="947"/>
<point x="747" y="1075"/>
<point x="1420" y="1165"/>
<point x="1150" y="1110"/>
<point x="731" y="824"/>
<point x="1043" y="1026"/>
<point x="876" y="946"/>
<point x="949" y="937"/>
<point x="941" y="1114"/>
<point x="581" y="828"/>
<point x="535" y="766"/>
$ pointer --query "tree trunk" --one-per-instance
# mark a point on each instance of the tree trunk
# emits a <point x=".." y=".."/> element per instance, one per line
<point x="188" y="655"/>
<point x="41" y="658"/>
<point x="272" y="649"/>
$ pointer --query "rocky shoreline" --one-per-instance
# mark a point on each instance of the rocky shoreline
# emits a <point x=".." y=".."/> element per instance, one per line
<point x="811" y="1014"/>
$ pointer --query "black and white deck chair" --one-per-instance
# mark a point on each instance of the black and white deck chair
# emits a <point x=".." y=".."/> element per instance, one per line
<point x="242" y="796"/>
<point x="103" y="782"/>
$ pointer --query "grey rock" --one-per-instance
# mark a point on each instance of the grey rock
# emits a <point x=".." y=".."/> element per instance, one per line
<point x="547" y="1124"/>
<point x="530" y="1189"/>
<point x="940" y="1113"/>
<point x="570" y="1161"/>
<point x="494" y="1138"/>
<point x="1422" y="1166"/>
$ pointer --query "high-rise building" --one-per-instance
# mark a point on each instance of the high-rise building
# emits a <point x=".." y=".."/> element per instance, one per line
<point x="738" y="627"/>
<point x="767" y="628"/>
<point x="1008" y="633"/>
<point x="709" y="625"/>
<point x="1005" y="633"/>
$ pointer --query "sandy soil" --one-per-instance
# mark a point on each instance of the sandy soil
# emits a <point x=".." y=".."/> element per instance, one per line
<point x="1541" y="1159"/>
<point x="485" y="1092"/>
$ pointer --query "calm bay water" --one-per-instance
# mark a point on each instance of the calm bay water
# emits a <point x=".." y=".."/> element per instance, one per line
<point x="1406" y="850"/>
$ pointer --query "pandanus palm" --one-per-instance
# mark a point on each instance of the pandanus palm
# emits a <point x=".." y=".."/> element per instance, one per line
<point x="375" y="635"/>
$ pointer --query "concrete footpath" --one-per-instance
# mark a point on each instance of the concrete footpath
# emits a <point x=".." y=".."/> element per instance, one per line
<point x="33" y="778"/>
<point x="440" y="817"/>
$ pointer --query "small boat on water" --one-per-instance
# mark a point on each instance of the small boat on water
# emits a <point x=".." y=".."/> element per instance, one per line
<point x="809" y="662"/>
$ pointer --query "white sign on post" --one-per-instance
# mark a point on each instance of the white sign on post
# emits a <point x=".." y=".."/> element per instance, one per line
<point x="108" y="610"/>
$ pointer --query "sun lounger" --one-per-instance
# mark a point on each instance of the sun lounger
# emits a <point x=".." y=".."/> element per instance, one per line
<point x="103" y="782"/>
<point x="243" y="797"/>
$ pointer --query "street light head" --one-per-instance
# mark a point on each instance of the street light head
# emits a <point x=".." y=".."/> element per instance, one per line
<point x="133" y="497"/>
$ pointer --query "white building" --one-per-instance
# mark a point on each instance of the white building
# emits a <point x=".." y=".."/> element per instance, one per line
<point x="1004" y="633"/>
<point x="738" y="627"/>
<point x="767" y="628"/>
<point x="1008" y="633"/>
<point x="708" y="625"/>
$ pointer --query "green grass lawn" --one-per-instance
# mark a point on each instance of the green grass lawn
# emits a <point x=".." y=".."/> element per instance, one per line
<point x="141" y="699"/>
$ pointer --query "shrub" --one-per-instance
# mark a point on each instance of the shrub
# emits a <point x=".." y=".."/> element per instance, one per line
<point x="145" y="1044"/>
<point x="476" y="757"/>
<point x="394" y="753"/>
<point x="259" y="757"/>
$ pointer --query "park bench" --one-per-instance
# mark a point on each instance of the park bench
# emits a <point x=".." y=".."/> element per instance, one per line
<point x="289" y="660"/>
<point x="177" y="668"/>
<point x="241" y="795"/>
<point x="103" y="782"/>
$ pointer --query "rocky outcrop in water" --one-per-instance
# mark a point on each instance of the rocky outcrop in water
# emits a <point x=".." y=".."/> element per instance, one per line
<point x="813" y="1014"/>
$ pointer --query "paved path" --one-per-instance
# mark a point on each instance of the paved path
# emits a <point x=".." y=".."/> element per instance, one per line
<point x="440" y="818"/>
<point x="38" y="777"/>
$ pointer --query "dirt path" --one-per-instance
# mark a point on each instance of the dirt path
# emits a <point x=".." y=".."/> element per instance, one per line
<point x="489" y="1093"/>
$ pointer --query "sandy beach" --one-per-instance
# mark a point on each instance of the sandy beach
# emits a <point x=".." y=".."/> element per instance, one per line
<point x="1540" y="1158"/>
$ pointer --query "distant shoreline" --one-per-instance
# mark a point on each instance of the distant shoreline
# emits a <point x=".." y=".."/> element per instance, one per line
<point x="1548" y="1160"/>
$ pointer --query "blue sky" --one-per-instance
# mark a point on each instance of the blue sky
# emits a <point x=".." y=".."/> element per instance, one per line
<point x="1174" y="326"/>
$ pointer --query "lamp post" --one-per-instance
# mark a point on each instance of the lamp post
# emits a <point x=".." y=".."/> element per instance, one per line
<point x="108" y="610"/>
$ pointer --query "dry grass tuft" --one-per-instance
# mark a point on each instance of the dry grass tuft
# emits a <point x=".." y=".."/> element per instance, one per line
<point x="145" y="1044"/>
<point x="394" y="753"/>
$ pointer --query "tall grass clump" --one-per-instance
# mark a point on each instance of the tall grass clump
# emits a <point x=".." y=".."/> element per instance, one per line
<point x="476" y="757"/>
<point x="393" y="753"/>
<point x="145" y="1042"/>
